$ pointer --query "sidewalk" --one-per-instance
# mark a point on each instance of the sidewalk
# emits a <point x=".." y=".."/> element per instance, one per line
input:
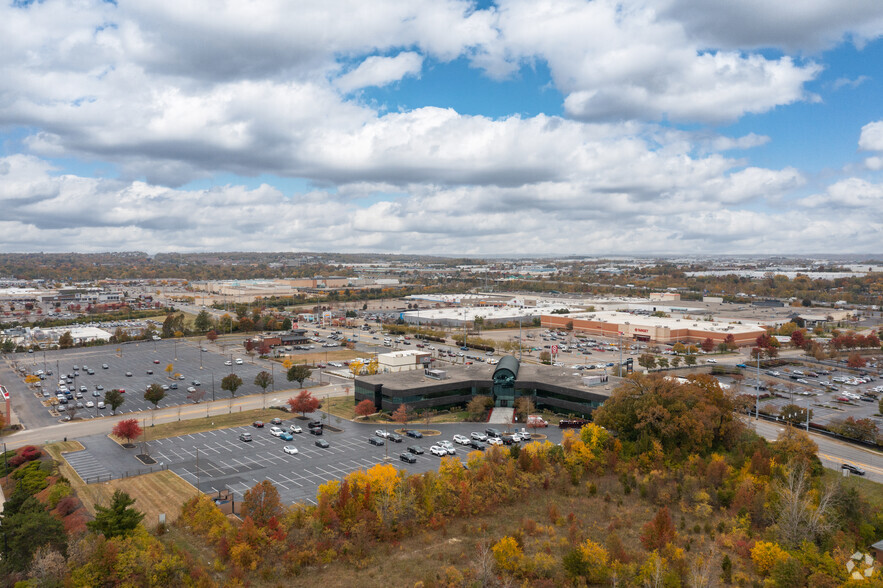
<point x="501" y="416"/>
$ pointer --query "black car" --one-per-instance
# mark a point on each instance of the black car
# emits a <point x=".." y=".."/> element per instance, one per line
<point x="173" y="385"/>
<point x="395" y="438"/>
<point x="315" y="424"/>
<point x="490" y="432"/>
<point x="149" y="372"/>
<point x="408" y="458"/>
<point x="476" y="444"/>
<point x="854" y="469"/>
<point x="316" y="431"/>
<point x="375" y="441"/>
<point x="322" y="443"/>
<point x="274" y="421"/>
<point x="507" y="439"/>
<point x="415" y="450"/>
<point x="414" y="433"/>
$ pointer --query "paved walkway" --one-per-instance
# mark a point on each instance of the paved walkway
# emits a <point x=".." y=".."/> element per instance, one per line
<point x="501" y="416"/>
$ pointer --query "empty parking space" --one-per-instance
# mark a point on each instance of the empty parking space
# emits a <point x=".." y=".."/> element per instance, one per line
<point x="87" y="465"/>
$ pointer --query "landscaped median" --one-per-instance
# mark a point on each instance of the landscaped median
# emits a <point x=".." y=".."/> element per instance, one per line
<point x="211" y="423"/>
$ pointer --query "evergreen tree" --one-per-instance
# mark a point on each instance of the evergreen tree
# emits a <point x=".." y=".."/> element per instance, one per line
<point x="118" y="519"/>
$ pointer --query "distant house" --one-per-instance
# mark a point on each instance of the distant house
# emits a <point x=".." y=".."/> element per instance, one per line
<point x="877" y="551"/>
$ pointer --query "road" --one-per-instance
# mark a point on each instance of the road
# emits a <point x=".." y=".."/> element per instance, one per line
<point x="832" y="452"/>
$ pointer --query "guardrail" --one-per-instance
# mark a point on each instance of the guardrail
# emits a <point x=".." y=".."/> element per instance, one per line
<point x="126" y="474"/>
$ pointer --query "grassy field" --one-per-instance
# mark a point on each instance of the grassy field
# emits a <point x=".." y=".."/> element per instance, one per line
<point x="869" y="489"/>
<point x="326" y="356"/>
<point x="212" y="423"/>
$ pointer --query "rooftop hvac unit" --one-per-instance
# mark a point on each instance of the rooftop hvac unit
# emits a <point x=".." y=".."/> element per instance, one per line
<point x="436" y="374"/>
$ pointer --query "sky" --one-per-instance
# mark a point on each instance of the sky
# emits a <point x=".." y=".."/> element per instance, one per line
<point x="448" y="127"/>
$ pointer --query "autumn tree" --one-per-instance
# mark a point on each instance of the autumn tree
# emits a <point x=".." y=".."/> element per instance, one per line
<point x="730" y="341"/>
<point x="798" y="338"/>
<point x="402" y="414"/>
<point x="114" y="399"/>
<point x="365" y="408"/>
<point x="212" y="335"/>
<point x="127" y="429"/>
<point x="690" y="359"/>
<point x="170" y="369"/>
<point x="855" y="360"/>
<point x="298" y="373"/>
<point x="154" y="394"/>
<point x="117" y="520"/>
<point x="478" y="405"/>
<point x="262" y="503"/>
<point x="545" y="357"/>
<point x="66" y="341"/>
<point x="647" y="361"/>
<point x="708" y="345"/>
<point x="231" y="383"/>
<point x="197" y="395"/>
<point x="524" y="406"/>
<point x="659" y="532"/>
<point x="304" y="402"/>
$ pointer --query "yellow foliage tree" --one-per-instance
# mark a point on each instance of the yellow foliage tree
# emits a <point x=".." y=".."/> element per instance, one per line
<point x="32" y="379"/>
<point x="508" y="554"/>
<point x="765" y="555"/>
<point x="170" y="369"/>
<point x="356" y="367"/>
<point x="287" y="363"/>
<point x="373" y="366"/>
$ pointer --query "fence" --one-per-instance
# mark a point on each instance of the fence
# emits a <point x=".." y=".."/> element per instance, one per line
<point x="126" y="474"/>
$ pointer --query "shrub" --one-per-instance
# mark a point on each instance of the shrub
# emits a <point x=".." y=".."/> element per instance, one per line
<point x="67" y="505"/>
<point x="508" y="554"/>
<point x="766" y="555"/>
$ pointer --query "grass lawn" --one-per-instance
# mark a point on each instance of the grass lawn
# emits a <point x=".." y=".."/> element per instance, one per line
<point x="326" y="356"/>
<point x="871" y="490"/>
<point x="212" y="423"/>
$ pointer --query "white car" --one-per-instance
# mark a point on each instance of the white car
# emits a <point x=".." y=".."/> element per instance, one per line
<point x="381" y="433"/>
<point x="290" y="449"/>
<point x="710" y="361"/>
<point x="439" y="451"/>
<point x="461" y="439"/>
<point x="238" y="361"/>
<point x="448" y="446"/>
<point x="295" y="429"/>
<point x="275" y="431"/>
<point x="90" y="404"/>
<point x="478" y="436"/>
<point x="494" y="441"/>
<point x="228" y="362"/>
<point x="101" y="405"/>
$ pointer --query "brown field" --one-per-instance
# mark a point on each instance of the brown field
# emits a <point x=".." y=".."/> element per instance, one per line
<point x="326" y="356"/>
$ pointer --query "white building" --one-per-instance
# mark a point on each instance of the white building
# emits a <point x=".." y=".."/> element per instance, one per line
<point x="402" y="361"/>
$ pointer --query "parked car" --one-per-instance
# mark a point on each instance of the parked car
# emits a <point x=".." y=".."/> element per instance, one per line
<point x="128" y="374"/>
<point x="156" y="361"/>
<point x="395" y="438"/>
<point x="149" y="372"/>
<point x="238" y="361"/>
<point x="276" y="421"/>
<point x="245" y="436"/>
<point x="381" y="433"/>
<point x="258" y="424"/>
<point x="104" y="366"/>
<point x="407" y="457"/>
<point x="101" y="405"/>
<point x="275" y="431"/>
<point x="290" y="449"/>
<point x="478" y="436"/>
<point x="286" y="436"/>
<point x="491" y="432"/>
<point x="415" y="450"/>
<point x="228" y="362"/>
<point x="414" y="433"/>
<point x="90" y="404"/>
<point x="295" y="429"/>
<point x="477" y="445"/>
<point x="437" y="450"/>
<point x="315" y="431"/>
<point x="375" y="441"/>
<point x="461" y="440"/>
<point x="322" y="443"/>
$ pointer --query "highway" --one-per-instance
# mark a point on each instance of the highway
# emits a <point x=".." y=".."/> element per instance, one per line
<point x="832" y="452"/>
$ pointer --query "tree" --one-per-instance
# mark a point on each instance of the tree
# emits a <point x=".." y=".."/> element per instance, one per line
<point x="794" y="414"/>
<point x="298" y="373"/>
<point x="365" y="408"/>
<point x="231" y="383"/>
<point x="262" y="503"/>
<point x="66" y="340"/>
<point x="524" y="406"/>
<point x="26" y="528"/>
<point x="402" y="414"/>
<point x="32" y="379"/>
<point x="855" y="360"/>
<point x="114" y="399"/>
<point x="647" y="361"/>
<point x="304" y="402"/>
<point x="197" y="395"/>
<point x="690" y="359"/>
<point x="659" y="532"/>
<point x="730" y="341"/>
<point x="173" y="323"/>
<point x="263" y="380"/>
<point x="675" y="361"/>
<point x="286" y="324"/>
<point x="170" y="369"/>
<point x="478" y="405"/>
<point x="154" y="394"/>
<point x="203" y="321"/>
<point x="707" y="345"/>
<point x="679" y="348"/>
<point x="798" y="338"/>
<point x="127" y="429"/>
<point x="803" y="513"/>
<point x="119" y="519"/>
<point x="545" y="357"/>
<point x="663" y="362"/>
<point x="212" y="335"/>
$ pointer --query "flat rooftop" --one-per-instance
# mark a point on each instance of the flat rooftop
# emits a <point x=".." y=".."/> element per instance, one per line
<point x="614" y="317"/>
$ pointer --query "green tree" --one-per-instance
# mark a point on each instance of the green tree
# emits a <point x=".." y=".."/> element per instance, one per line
<point x="286" y="324"/>
<point x="114" y="399"/>
<point x="203" y="321"/>
<point x="27" y="527"/>
<point x="647" y="361"/>
<point x="298" y="373"/>
<point x="231" y="384"/>
<point x="154" y="394"/>
<point x="66" y="341"/>
<point x="118" y="519"/>
<point x="173" y="323"/>
<point x="263" y="380"/>
<point x="690" y="359"/>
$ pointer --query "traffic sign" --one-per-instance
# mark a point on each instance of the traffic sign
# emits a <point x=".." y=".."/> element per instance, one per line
<point x="554" y="350"/>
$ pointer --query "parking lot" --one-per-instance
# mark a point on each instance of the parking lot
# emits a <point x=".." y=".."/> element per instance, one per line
<point x="140" y="359"/>
<point x="224" y="461"/>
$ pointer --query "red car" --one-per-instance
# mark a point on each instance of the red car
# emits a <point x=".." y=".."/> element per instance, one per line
<point x="122" y="390"/>
<point x="155" y="361"/>
<point x="258" y="424"/>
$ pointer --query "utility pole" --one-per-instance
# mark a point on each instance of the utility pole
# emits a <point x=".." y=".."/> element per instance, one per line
<point x="757" y="389"/>
<point x="197" y="471"/>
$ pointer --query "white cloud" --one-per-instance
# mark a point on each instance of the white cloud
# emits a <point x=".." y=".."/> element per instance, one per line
<point x="380" y="71"/>
<point x="871" y="138"/>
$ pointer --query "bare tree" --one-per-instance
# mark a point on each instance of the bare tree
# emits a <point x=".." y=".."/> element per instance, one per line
<point x="48" y="566"/>
<point x="700" y="574"/>
<point x="800" y="517"/>
<point x="483" y="564"/>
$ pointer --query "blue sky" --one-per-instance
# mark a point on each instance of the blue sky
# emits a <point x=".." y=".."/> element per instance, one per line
<point x="442" y="126"/>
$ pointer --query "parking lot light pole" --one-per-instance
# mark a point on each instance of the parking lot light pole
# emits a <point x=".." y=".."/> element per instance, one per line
<point x="213" y="386"/>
